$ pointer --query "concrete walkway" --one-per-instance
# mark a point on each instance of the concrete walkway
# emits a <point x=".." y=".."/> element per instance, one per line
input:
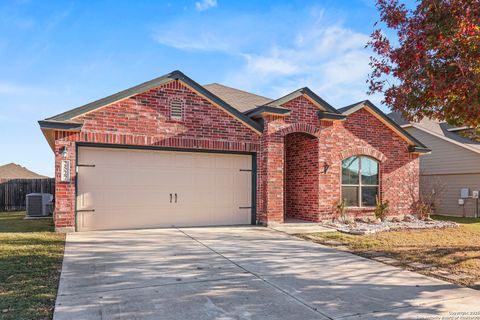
<point x="239" y="273"/>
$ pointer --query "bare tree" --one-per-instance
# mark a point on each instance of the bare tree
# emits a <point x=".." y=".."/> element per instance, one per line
<point x="428" y="195"/>
<point x="432" y="192"/>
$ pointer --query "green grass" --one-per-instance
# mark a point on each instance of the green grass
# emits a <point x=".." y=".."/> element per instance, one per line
<point x="473" y="223"/>
<point x="456" y="250"/>
<point x="30" y="262"/>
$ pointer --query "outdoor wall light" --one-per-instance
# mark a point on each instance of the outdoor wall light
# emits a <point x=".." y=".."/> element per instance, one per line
<point x="64" y="152"/>
<point x="326" y="166"/>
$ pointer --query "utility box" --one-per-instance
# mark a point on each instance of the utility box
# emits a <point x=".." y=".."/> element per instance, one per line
<point x="461" y="202"/>
<point x="475" y="194"/>
<point x="464" y="193"/>
<point x="39" y="204"/>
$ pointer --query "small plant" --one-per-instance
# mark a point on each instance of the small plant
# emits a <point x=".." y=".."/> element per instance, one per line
<point x="342" y="210"/>
<point x="424" y="209"/>
<point x="381" y="209"/>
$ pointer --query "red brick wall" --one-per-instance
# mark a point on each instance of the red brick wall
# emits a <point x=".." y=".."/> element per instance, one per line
<point x="301" y="176"/>
<point x="399" y="170"/>
<point x="144" y="120"/>
<point x="361" y="134"/>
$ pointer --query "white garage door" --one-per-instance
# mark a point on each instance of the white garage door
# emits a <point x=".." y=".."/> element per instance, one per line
<point x="128" y="189"/>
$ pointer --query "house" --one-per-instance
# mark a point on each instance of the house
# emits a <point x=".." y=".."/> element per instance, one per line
<point x="14" y="171"/>
<point x="453" y="164"/>
<point x="170" y="152"/>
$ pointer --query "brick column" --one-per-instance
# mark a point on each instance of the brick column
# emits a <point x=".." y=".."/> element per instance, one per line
<point x="271" y="177"/>
<point x="64" y="215"/>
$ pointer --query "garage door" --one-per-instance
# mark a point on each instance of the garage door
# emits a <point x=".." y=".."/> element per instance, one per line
<point x="128" y="189"/>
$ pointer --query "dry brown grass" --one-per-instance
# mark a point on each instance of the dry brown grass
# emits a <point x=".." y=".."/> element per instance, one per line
<point x="456" y="250"/>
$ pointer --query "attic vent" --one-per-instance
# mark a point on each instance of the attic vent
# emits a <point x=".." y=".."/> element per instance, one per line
<point x="176" y="111"/>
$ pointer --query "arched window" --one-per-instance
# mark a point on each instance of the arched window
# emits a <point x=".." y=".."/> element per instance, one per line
<point x="360" y="181"/>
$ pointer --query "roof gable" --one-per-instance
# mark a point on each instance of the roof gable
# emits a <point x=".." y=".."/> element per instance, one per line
<point x="69" y="116"/>
<point x="307" y="93"/>
<point x="415" y="145"/>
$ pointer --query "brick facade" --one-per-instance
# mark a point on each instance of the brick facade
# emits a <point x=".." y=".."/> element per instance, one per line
<point x="361" y="134"/>
<point x="291" y="152"/>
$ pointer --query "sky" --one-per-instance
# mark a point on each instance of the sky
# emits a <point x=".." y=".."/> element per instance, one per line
<point x="57" y="55"/>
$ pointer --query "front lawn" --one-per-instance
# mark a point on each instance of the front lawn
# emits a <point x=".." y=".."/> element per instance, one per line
<point x="453" y="250"/>
<point x="30" y="262"/>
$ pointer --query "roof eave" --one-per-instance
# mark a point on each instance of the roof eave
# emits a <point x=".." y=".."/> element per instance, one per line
<point x="259" y="112"/>
<point x="60" y="125"/>
<point x="328" y="116"/>
<point x="420" y="150"/>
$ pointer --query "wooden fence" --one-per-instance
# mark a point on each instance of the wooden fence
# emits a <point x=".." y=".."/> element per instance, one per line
<point x="13" y="192"/>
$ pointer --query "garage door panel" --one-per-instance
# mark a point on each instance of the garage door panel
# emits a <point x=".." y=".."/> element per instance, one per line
<point x="243" y="181"/>
<point x="204" y="162"/>
<point x="85" y="200"/>
<point x="224" y="178"/>
<point x="243" y="163"/>
<point x="184" y="160"/>
<point x="131" y="189"/>
<point x="90" y="175"/>
<point x="224" y="162"/>
<point x="239" y="216"/>
<point x="182" y="177"/>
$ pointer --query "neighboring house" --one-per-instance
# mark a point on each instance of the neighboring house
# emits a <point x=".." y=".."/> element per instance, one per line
<point x="170" y="152"/>
<point x="453" y="164"/>
<point x="14" y="171"/>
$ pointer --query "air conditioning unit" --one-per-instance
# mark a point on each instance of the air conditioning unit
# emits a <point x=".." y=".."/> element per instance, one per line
<point x="39" y="204"/>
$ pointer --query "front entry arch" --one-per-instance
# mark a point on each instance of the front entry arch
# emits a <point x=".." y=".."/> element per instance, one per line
<point x="301" y="183"/>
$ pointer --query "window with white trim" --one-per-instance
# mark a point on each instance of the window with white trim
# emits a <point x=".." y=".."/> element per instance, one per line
<point x="360" y="181"/>
<point x="176" y="109"/>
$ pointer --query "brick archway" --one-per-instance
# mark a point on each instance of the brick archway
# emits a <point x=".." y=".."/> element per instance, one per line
<point x="301" y="176"/>
<point x="272" y="168"/>
<point x="301" y="128"/>
<point x="367" y="151"/>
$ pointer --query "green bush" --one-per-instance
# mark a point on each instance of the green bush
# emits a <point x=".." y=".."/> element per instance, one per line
<point x="381" y="209"/>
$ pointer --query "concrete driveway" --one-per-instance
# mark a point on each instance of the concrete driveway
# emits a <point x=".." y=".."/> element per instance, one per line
<point x="240" y="273"/>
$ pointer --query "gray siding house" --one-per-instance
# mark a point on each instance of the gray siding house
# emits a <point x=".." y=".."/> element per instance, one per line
<point x="453" y="164"/>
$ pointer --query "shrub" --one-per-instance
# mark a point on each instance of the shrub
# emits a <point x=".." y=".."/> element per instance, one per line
<point x="424" y="209"/>
<point x="381" y="209"/>
<point x="342" y="210"/>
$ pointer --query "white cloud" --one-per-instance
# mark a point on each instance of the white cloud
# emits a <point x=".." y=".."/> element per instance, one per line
<point x="182" y="39"/>
<point x="205" y="5"/>
<point x="281" y="55"/>
<point x="331" y="60"/>
<point x="272" y="64"/>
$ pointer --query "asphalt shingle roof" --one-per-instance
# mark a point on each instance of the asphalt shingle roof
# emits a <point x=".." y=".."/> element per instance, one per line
<point x="437" y="127"/>
<point x="239" y="99"/>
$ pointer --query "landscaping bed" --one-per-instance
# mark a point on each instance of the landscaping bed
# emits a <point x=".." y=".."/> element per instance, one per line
<point x="361" y="227"/>
<point x="452" y="254"/>
<point x="31" y="257"/>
